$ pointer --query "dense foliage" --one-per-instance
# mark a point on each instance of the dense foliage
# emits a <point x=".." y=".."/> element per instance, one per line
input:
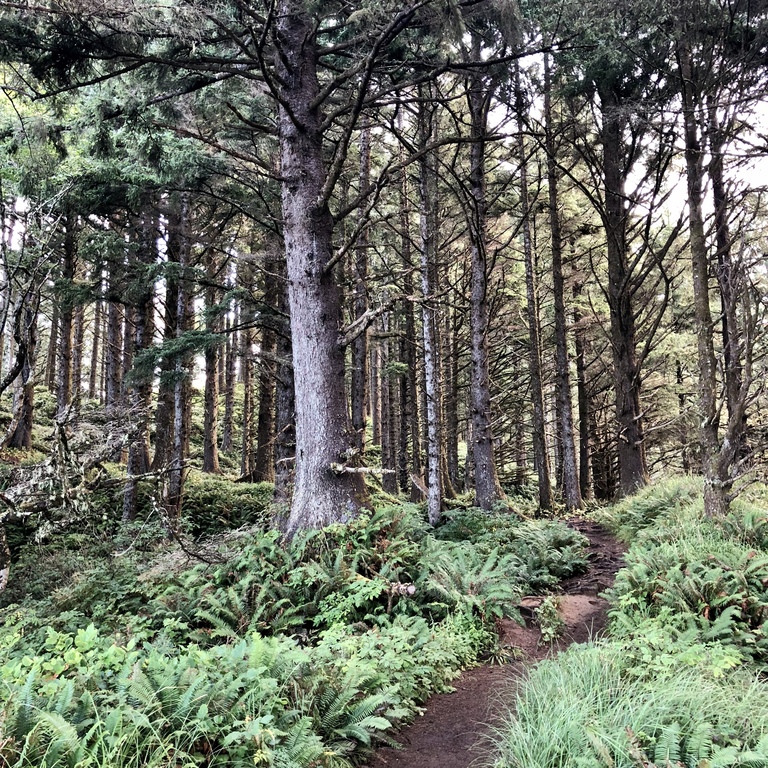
<point x="272" y="654"/>
<point x="677" y="681"/>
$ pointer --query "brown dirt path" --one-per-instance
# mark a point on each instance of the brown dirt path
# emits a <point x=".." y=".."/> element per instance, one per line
<point x="454" y="725"/>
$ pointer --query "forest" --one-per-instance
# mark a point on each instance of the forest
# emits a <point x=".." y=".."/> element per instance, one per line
<point x="338" y="339"/>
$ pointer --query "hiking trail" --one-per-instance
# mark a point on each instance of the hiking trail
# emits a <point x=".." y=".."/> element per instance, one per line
<point x="454" y="726"/>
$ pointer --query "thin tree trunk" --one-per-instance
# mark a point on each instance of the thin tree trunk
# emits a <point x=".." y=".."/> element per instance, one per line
<point x="230" y="377"/>
<point x="570" y="477"/>
<point x="78" y="339"/>
<point x="211" y="396"/>
<point x="727" y="277"/>
<point x="139" y="390"/>
<point x="487" y="487"/>
<point x="427" y="233"/>
<point x="53" y="348"/>
<point x="94" y="390"/>
<point x="19" y="433"/>
<point x="264" y="463"/>
<point x="585" y="454"/>
<point x="165" y="394"/>
<point x="114" y="352"/>
<point x="359" y="388"/>
<point x="716" y="481"/>
<point x="540" y="454"/>
<point x="182" y="385"/>
<point x="64" y="368"/>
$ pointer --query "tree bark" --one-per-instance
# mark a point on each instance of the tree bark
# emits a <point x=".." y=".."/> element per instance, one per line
<point x="540" y="454"/>
<point x="427" y="235"/>
<point x="211" y="396"/>
<point x="487" y="488"/>
<point x="19" y="433"/>
<point x="570" y="477"/>
<point x="264" y="462"/>
<point x="230" y="378"/>
<point x="53" y="348"/>
<point x="714" y="463"/>
<point x="324" y="492"/>
<point x="139" y="387"/>
<point x="285" y="400"/>
<point x="631" y="442"/>
<point x="94" y="390"/>
<point x="182" y="374"/>
<point x="64" y="368"/>
<point x="359" y="383"/>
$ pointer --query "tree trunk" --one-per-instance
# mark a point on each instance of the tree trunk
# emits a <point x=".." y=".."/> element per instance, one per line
<point x="179" y="221"/>
<point x="716" y="481"/>
<point x="487" y="487"/>
<point x="167" y="386"/>
<point x="139" y="387"/>
<point x="211" y="396"/>
<point x="64" y="372"/>
<point x="264" y="462"/>
<point x="78" y="339"/>
<point x="631" y="444"/>
<point x="94" y="391"/>
<point x="325" y="492"/>
<point x="585" y="455"/>
<point x="540" y="454"/>
<point x="230" y="378"/>
<point x="359" y="384"/>
<point x="570" y="477"/>
<point x="285" y="401"/>
<point x="427" y="235"/>
<point x="53" y="348"/>
<point x="728" y="278"/>
<point x="451" y="367"/>
<point x="19" y="433"/>
<point x="114" y="352"/>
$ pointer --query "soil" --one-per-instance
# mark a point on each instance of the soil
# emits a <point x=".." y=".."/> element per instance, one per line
<point x="454" y="728"/>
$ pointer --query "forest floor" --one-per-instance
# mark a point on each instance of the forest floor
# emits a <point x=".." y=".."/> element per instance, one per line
<point x="453" y="731"/>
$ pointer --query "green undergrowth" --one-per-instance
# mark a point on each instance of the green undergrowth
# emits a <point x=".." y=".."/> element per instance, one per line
<point x="680" y="678"/>
<point x="273" y="654"/>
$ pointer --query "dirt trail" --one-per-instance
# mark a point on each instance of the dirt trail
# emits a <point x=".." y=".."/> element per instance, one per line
<point x="452" y="729"/>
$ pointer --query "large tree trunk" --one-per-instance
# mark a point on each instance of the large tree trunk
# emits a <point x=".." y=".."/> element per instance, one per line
<point x="540" y="453"/>
<point x="325" y="490"/>
<point x="631" y="443"/>
<point x="487" y="487"/>
<point x="570" y="477"/>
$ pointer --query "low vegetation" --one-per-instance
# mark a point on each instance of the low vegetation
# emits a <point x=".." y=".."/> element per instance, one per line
<point x="268" y="654"/>
<point x="678" y="681"/>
